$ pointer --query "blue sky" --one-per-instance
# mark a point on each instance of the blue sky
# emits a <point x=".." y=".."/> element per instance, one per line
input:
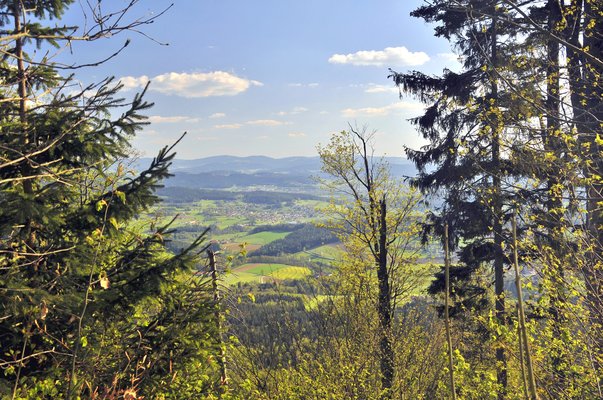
<point x="269" y="77"/>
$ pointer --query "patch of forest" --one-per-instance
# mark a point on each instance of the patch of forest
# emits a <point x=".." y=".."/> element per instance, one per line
<point x="307" y="237"/>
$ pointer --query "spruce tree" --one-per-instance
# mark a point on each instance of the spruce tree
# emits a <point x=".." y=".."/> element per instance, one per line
<point x="548" y="165"/>
<point x="465" y="160"/>
<point x="90" y="304"/>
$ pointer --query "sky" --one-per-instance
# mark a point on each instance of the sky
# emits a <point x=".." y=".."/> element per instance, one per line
<point x="267" y="77"/>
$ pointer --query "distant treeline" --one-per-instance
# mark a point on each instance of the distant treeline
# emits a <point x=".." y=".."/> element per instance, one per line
<point x="307" y="237"/>
<point x="277" y="228"/>
<point x="314" y="265"/>
<point x="178" y="194"/>
<point x="227" y="179"/>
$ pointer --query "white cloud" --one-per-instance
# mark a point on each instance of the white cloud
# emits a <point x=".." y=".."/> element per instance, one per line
<point x="294" y="111"/>
<point x="158" y="119"/>
<point x="131" y="82"/>
<point x="228" y="126"/>
<point x="193" y="85"/>
<point x="390" y="56"/>
<point x="381" y="111"/>
<point x="297" y="84"/>
<point x="296" y="134"/>
<point x="449" y="56"/>
<point x="266" y="122"/>
<point x="217" y="115"/>
<point x="381" y="89"/>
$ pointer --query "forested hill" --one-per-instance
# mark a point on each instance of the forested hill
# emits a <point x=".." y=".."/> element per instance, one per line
<point x="228" y="171"/>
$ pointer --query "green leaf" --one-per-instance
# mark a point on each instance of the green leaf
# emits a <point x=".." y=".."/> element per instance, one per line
<point x="113" y="222"/>
<point x="100" y="204"/>
<point x="121" y="196"/>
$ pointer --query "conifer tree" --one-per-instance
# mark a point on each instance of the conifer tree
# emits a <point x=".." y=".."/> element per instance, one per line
<point x="549" y="114"/>
<point x="464" y="123"/>
<point x="88" y="302"/>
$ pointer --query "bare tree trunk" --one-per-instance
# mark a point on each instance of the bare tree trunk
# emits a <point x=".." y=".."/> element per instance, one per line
<point x="522" y="318"/>
<point x="384" y="307"/>
<point x="447" y="313"/>
<point x="552" y="220"/>
<point x="218" y="321"/>
<point x="586" y="90"/>
<point x="497" y="217"/>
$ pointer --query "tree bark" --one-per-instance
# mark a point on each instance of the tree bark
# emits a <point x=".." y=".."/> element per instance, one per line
<point x="384" y="306"/>
<point x="497" y="213"/>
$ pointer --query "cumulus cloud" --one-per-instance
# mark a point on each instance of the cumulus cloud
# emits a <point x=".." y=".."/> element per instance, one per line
<point x="390" y="56"/>
<point x="228" y="126"/>
<point x="193" y="85"/>
<point x="131" y="82"/>
<point x="158" y="119"/>
<point x="217" y="115"/>
<point x="381" y="111"/>
<point x="381" y="89"/>
<point x="296" y="134"/>
<point x="266" y="122"/>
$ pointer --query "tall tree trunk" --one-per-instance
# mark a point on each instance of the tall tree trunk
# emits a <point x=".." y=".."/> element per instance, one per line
<point x="497" y="210"/>
<point x="522" y="318"/>
<point x="553" y="219"/>
<point x="384" y="307"/>
<point x="447" y="311"/>
<point x="213" y="270"/>
<point x="593" y="41"/>
<point x="586" y="92"/>
<point x="26" y="170"/>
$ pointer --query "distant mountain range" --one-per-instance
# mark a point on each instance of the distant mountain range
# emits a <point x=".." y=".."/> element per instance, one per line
<point x="220" y="172"/>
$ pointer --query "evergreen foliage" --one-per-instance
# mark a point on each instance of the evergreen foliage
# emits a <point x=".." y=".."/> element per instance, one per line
<point x="91" y="305"/>
<point x="510" y="132"/>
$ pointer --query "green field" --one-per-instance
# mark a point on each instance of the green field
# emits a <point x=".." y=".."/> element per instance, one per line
<point x="263" y="238"/>
<point x="260" y="273"/>
<point x="328" y="252"/>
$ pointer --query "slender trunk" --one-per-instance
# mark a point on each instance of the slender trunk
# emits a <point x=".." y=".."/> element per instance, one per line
<point x="446" y="312"/>
<point x="22" y="90"/>
<point x="593" y="77"/>
<point x="218" y="321"/>
<point x="27" y="185"/>
<point x="522" y="318"/>
<point x="384" y="307"/>
<point x="497" y="214"/>
<point x="587" y="108"/>
<point x="524" y="378"/>
<point x="553" y="219"/>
